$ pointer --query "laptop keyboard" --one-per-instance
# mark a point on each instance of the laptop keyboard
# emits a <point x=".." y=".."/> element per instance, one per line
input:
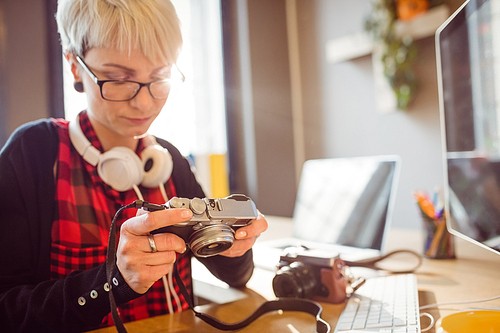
<point x="386" y="304"/>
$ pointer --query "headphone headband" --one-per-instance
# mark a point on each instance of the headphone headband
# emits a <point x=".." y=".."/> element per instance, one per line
<point x="82" y="145"/>
<point x="120" y="167"/>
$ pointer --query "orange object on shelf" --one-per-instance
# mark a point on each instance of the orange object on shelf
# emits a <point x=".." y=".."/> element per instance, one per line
<point x="408" y="9"/>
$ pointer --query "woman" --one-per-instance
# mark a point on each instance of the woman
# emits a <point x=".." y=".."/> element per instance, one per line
<point x="62" y="182"/>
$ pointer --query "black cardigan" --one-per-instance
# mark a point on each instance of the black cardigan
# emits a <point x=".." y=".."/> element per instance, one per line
<point x="29" y="300"/>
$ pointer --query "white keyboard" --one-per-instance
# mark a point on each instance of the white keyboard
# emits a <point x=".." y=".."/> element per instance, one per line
<point x="386" y="304"/>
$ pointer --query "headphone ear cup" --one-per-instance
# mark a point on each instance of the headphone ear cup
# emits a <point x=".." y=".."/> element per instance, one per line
<point x="120" y="168"/>
<point x="157" y="165"/>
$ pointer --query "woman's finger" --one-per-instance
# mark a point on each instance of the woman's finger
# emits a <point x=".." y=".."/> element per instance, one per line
<point x="145" y="223"/>
<point x="254" y="229"/>
<point x="163" y="242"/>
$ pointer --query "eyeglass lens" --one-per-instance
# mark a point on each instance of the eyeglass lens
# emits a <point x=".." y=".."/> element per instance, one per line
<point x="125" y="90"/>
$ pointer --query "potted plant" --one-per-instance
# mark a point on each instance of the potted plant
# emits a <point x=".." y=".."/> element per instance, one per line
<point x="396" y="53"/>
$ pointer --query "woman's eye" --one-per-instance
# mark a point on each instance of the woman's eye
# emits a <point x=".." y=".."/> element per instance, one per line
<point x="117" y="76"/>
<point x="120" y="83"/>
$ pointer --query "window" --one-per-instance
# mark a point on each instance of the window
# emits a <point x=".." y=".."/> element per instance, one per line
<point x="194" y="116"/>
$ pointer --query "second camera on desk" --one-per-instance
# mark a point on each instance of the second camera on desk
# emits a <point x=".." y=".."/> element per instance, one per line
<point x="310" y="274"/>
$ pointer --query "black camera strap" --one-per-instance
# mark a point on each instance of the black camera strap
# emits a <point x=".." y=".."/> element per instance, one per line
<point x="110" y="265"/>
<point x="284" y="304"/>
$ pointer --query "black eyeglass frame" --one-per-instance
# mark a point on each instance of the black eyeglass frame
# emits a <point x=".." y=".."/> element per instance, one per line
<point x="100" y="83"/>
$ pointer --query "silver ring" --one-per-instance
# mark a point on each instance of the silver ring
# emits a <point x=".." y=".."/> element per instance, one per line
<point x="152" y="243"/>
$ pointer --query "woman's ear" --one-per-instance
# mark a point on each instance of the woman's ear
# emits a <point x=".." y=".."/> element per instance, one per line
<point x="75" y="70"/>
<point x="73" y="65"/>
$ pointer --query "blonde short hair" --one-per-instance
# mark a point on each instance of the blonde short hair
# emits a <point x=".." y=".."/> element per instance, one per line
<point x="149" y="25"/>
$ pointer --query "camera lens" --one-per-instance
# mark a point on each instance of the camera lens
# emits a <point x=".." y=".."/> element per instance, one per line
<point x="211" y="240"/>
<point x="294" y="280"/>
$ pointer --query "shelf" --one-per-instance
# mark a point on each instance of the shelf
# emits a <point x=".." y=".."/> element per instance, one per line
<point x="360" y="44"/>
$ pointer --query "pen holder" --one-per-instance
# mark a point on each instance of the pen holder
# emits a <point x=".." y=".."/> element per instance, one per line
<point x="439" y="243"/>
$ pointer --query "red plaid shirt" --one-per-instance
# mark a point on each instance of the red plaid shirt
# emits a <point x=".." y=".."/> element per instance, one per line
<point x="85" y="208"/>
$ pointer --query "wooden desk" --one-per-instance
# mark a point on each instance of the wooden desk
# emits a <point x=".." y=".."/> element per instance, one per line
<point x="473" y="275"/>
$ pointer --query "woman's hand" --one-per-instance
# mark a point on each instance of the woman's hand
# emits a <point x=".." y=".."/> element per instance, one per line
<point x="138" y="264"/>
<point x="246" y="236"/>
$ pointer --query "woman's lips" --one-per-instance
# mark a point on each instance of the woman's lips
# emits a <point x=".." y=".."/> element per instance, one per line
<point x="138" y="121"/>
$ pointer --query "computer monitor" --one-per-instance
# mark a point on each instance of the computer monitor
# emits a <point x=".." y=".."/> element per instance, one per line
<point x="468" y="66"/>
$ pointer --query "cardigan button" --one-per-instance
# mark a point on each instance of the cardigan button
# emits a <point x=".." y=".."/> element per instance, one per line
<point x="115" y="281"/>
<point x="106" y="286"/>
<point x="94" y="294"/>
<point x="82" y="300"/>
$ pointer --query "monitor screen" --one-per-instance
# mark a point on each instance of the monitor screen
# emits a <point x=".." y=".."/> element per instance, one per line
<point x="468" y="62"/>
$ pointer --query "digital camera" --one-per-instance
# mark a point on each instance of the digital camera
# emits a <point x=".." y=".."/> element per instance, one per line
<point x="310" y="274"/>
<point x="211" y="229"/>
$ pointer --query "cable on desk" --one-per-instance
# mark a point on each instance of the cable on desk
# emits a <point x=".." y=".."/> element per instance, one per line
<point x="431" y="325"/>
<point x="485" y="308"/>
<point x="435" y="305"/>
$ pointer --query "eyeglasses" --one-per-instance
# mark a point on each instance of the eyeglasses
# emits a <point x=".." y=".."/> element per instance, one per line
<point x="124" y="90"/>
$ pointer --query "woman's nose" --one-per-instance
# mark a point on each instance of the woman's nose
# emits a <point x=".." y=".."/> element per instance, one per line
<point x="143" y="100"/>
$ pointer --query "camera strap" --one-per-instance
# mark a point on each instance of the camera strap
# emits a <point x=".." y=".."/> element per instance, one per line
<point x="373" y="263"/>
<point x="284" y="304"/>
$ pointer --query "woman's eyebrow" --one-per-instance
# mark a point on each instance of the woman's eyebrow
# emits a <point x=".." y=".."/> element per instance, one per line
<point x="133" y="71"/>
<point x="119" y="67"/>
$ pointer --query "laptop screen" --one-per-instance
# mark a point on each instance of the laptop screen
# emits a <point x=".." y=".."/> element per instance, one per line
<point x="346" y="201"/>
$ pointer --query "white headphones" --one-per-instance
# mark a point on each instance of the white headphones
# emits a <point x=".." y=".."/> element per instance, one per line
<point x="120" y="167"/>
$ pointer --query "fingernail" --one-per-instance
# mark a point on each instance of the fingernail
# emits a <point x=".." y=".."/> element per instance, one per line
<point x="186" y="213"/>
<point x="242" y="233"/>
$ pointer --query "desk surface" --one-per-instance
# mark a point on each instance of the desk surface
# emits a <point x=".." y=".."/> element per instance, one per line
<point x="473" y="275"/>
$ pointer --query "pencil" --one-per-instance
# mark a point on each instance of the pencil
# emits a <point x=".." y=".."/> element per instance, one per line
<point x="437" y="238"/>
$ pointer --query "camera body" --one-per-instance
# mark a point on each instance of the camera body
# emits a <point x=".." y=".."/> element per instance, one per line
<point x="210" y="230"/>
<point x="310" y="274"/>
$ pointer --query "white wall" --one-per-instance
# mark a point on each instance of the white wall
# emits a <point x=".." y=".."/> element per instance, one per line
<point x="353" y="127"/>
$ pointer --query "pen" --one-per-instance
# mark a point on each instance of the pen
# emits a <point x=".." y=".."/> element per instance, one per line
<point x="439" y="205"/>
<point x="425" y="204"/>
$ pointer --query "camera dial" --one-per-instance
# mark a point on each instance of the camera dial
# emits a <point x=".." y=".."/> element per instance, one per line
<point x="197" y="205"/>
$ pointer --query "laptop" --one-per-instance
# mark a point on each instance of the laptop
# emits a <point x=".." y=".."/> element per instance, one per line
<point x="344" y="207"/>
